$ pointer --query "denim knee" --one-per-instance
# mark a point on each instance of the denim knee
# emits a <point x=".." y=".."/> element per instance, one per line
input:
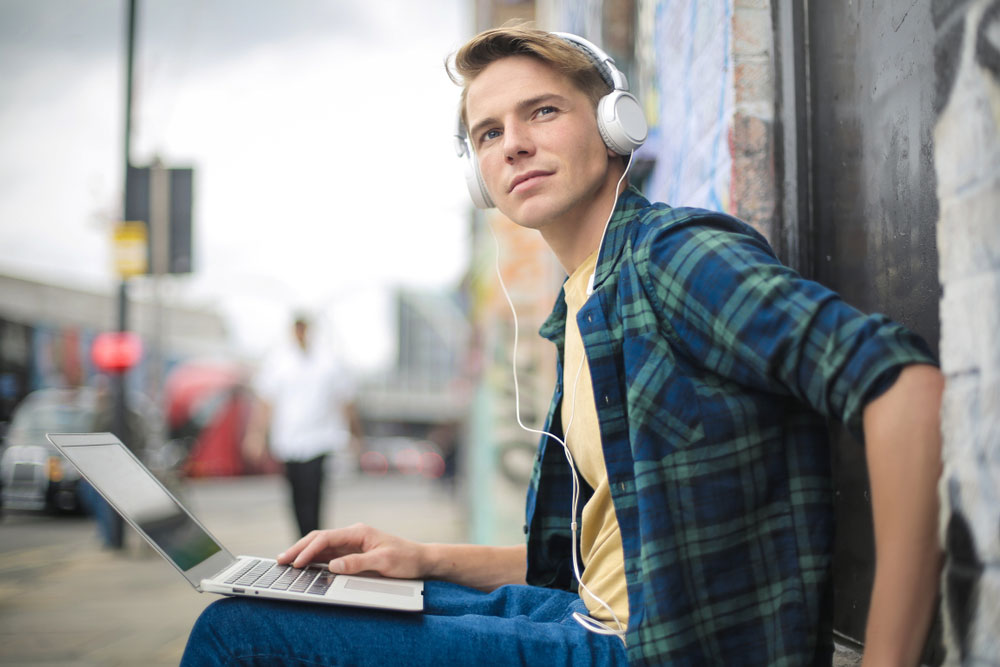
<point x="207" y="644"/>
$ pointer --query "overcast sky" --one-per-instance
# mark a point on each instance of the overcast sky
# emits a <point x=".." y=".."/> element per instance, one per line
<point x="320" y="132"/>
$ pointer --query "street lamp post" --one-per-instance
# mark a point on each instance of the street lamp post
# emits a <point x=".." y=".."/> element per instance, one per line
<point x="120" y="425"/>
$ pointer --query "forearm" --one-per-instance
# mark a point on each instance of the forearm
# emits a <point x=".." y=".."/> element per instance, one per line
<point x="255" y="437"/>
<point x="260" y="415"/>
<point x="353" y="418"/>
<point x="481" y="567"/>
<point x="903" y="445"/>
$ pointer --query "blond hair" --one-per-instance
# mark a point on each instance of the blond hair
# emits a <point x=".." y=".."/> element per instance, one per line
<point x="520" y="40"/>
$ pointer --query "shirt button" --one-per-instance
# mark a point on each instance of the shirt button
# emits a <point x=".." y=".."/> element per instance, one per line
<point x="621" y="486"/>
<point x="590" y="318"/>
<point x="525" y="529"/>
<point x="606" y="399"/>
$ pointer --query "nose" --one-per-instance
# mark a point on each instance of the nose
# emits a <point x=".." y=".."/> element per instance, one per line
<point x="517" y="142"/>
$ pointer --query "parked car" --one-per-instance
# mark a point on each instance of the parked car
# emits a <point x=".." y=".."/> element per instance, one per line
<point x="403" y="455"/>
<point x="33" y="474"/>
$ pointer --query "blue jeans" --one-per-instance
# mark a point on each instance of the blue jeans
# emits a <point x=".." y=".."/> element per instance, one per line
<point x="513" y="625"/>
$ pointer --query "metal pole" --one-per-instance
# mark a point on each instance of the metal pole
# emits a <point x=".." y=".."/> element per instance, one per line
<point x="159" y="234"/>
<point x="129" y="56"/>
<point x="120" y="425"/>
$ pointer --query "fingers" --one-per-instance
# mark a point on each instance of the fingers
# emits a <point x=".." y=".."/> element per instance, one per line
<point x="354" y="564"/>
<point x="384" y="559"/>
<point x="289" y="554"/>
<point x="356" y="549"/>
<point x="385" y="555"/>
<point x="323" y="545"/>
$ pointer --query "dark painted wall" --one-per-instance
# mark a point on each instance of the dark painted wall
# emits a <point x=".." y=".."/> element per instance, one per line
<point x="874" y="209"/>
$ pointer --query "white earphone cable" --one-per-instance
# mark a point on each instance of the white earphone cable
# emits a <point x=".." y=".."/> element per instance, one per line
<point x="589" y="623"/>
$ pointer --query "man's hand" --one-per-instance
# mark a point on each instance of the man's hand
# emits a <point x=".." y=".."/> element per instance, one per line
<point x="359" y="548"/>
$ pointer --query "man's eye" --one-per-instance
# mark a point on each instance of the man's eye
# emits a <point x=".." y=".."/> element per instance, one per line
<point x="490" y="134"/>
<point x="545" y="111"/>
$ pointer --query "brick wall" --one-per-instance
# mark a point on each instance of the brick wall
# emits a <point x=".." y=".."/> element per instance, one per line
<point x="754" y="196"/>
<point x="705" y="72"/>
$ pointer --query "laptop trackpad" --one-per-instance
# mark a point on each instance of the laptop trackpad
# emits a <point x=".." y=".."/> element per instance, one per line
<point x="374" y="586"/>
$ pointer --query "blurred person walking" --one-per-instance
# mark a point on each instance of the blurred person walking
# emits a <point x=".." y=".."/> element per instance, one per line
<point x="304" y="412"/>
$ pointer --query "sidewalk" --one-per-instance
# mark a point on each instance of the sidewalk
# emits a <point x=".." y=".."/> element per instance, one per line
<point x="90" y="607"/>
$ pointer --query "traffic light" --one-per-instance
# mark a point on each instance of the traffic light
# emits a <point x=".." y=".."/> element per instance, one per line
<point x="116" y="351"/>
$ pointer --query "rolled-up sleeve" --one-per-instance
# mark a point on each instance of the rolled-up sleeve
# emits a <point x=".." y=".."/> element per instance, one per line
<point x="732" y="307"/>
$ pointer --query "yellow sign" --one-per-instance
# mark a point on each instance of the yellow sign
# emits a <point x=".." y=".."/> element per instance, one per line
<point x="130" y="248"/>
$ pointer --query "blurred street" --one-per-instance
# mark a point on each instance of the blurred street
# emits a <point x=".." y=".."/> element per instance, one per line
<point x="66" y="601"/>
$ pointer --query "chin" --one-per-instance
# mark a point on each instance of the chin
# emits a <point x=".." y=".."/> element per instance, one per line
<point x="531" y="213"/>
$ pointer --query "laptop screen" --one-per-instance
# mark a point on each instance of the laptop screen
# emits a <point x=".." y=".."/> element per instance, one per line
<point x="140" y="498"/>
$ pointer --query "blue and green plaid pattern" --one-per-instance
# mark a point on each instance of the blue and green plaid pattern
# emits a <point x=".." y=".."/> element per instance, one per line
<point x="714" y="371"/>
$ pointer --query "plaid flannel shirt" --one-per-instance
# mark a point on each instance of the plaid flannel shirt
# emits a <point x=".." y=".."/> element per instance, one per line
<point x="714" y="369"/>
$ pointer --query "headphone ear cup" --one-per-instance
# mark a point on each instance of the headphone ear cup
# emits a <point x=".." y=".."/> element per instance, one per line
<point x="621" y="122"/>
<point x="474" y="181"/>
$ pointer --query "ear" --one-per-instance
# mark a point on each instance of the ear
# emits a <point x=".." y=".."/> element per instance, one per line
<point x="617" y="161"/>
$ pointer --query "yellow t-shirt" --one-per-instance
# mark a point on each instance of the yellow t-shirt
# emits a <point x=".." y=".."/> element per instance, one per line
<point x="600" y="538"/>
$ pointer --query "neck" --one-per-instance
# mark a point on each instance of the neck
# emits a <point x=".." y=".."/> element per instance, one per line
<point x="575" y="240"/>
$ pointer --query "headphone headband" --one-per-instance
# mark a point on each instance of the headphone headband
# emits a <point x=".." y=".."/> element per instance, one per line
<point x="620" y="118"/>
<point x="603" y="63"/>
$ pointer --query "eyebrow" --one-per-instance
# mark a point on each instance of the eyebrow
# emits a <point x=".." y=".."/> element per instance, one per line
<point x="520" y="106"/>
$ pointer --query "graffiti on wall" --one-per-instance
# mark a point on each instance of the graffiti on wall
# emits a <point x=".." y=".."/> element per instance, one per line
<point x="967" y="162"/>
<point x="684" y="76"/>
<point x="581" y="17"/>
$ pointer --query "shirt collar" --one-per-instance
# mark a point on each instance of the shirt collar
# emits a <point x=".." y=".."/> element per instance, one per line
<point x="629" y="203"/>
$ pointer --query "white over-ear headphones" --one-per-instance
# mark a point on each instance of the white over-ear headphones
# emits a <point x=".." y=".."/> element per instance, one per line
<point x="620" y="119"/>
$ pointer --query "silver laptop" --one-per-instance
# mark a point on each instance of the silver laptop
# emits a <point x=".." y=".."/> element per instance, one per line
<point x="180" y="538"/>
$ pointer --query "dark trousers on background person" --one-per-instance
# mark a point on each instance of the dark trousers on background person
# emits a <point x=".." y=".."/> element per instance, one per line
<point x="110" y="525"/>
<point x="306" y="481"/>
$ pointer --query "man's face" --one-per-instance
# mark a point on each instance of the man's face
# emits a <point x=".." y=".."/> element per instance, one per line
<point x="538" y="146"/>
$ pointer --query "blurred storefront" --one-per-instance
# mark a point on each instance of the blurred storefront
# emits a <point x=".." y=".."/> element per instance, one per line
<point x="47" y="332"/>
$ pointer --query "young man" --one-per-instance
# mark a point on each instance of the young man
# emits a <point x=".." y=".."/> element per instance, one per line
<point x="696" y="375"/>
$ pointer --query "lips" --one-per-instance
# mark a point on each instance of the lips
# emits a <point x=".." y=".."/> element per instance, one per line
<point x="525" y="177"/>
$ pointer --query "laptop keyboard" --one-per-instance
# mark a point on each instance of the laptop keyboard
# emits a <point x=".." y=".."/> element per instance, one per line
<point x="265" y="574"/>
